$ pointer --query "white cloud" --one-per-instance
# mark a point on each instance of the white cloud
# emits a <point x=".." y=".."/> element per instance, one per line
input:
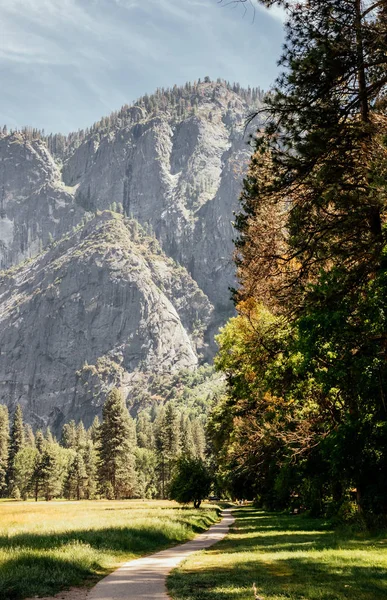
<point x="66" y="62"/>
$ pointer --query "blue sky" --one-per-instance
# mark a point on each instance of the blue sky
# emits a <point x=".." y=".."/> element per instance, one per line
<point x="66" y="63"/>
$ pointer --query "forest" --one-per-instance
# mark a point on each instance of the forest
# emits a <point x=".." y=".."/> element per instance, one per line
<point x="303" y="425"/>
<point x="119" y="457"/>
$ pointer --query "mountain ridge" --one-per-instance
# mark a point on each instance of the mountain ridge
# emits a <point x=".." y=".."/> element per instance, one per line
<point x="176" y="172"/>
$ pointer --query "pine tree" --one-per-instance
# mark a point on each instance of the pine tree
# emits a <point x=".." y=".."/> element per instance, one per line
<point x="81" y="436"/>
<point x="37" y="470"/>
<point x="94" y="430"/>
<point x="29" y="435"/>
<point x="75" y="481"/>
<point x="90" y="460"/>
<point x="187" y="440"/>
<point x="50" y="472"/>
<point x="144" y="429"/>
<point x="4" y="447"/>
<point x="168" y="444"/>
<point x="16" y="443"/>
<point x="116" y="445"/>
<point x="69" y="435"/>
<point x="318" y="153"/>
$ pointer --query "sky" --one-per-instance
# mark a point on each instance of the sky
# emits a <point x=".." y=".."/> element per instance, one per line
<point x="66" y="63"/>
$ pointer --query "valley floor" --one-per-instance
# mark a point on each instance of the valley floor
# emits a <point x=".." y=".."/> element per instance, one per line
<point x="48" y="547"/>
<point x="287" y="557"/>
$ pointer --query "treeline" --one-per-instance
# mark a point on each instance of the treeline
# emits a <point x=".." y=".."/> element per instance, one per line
<point x="119" y="457"/>
<point x="179" y="101"/>
<point x="304" y="422"/>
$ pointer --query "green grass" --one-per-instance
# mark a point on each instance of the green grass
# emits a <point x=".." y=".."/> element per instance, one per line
<point x="47" y="547"/>
<point x="288" y="557"/>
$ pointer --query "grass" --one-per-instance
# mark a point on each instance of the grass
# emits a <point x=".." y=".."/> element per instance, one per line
<point x="288" y="557"/>
<point x="47" y="547"/>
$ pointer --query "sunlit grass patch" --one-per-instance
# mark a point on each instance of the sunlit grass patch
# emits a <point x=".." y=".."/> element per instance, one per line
<point x="288" y="557"/>
<point x="46" y="547"/>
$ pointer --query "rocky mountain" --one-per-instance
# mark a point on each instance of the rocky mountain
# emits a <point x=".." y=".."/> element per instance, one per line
<point x="129" y="228"/>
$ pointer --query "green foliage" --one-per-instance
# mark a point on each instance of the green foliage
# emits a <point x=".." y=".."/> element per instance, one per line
<point x="191" y="481"/>
<point x="24" y="463"/>
<point x="16" y="443"/>
<point x="305" y="420"/>
<point x="4" y="447"/>
<point x="116" y="444"/>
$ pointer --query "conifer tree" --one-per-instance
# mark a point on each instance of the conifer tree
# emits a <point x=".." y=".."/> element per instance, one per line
<point x="116" y="445"/>
<point x="4" y="447"/>
<point x="37" y="470"/>
<point x="50" y="472"/>
<point x="17" y="441"/>
<point x="29" y="435"/>
<point x="168" y="444"/>
<point x="81" y="436"/>
<point x="94" y="429"/>
<point x="187" y="440"/>
<point x="144" y="430"/>
<point x="90" y="460"/>
<point x="69" y="435"/>
<point x="75" y="481"/>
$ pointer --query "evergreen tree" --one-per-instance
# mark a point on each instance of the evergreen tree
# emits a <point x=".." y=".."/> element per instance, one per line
<point x="29" y="436"/>
<point x="69" y="435"/>
<point x="146" y="462"/>
<point x="187" y="440"/>
<point x="90" y="460"/>
<point x="94" y="430"/>
<point x="116" y="445"/>
<point x="4" y="447"/>
<point x="50" y="472"/>
<point x="16" y="443"/>
<point x="168" y="444"/>
<point x="144" y="429"/>
<point x="81" y="436"/>
<point x="75" y="481"/>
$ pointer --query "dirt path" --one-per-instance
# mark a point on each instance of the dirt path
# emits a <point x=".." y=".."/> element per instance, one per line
<point x="144" y="578"/>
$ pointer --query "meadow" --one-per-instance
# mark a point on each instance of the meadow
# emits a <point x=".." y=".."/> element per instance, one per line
<point x="47" y="547"/>
<point x="288" y="557"/>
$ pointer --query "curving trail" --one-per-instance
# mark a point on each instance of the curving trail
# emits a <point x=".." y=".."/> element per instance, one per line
<point x="144" y="578"/>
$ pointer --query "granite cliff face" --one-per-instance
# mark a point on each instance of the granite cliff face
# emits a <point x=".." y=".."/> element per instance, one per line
<point x="95" y="310"/>
<point x="102" y="305"/>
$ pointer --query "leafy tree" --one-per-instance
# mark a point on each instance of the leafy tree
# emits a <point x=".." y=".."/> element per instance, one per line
<point x="309" y="397"/>
<point x="116" y="444"/>
<point x="191" y="481"/>
<point x="52" y="468"/>
<point x="24" y="465"/>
